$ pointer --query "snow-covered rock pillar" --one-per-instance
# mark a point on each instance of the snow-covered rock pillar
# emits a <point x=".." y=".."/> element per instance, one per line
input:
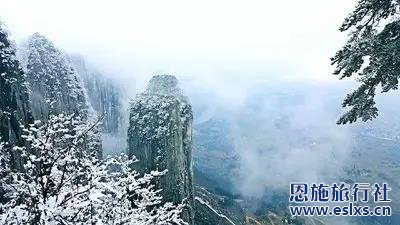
<point x="160" y="136"/>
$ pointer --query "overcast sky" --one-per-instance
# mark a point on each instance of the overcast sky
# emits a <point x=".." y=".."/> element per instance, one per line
<point x="211" y="42"/>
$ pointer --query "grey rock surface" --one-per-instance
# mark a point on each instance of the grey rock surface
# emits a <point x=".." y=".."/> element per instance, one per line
<point x="160" y="137"/>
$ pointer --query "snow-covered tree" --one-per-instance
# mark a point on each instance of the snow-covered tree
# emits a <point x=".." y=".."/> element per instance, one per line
<point x="371" y="54"/>
<point x="63" y="183"/>
<point x="122" y="196"/>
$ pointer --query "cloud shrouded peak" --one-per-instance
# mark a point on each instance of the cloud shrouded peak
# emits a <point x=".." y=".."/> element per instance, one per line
<point x="164" y="85"/>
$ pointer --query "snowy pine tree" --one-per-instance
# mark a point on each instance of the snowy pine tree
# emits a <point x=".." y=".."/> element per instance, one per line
<point x="371" y="54"/>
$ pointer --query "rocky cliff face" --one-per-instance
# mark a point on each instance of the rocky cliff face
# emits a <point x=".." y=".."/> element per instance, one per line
<point x="14" y="107"/>
<point x="105" y="100"/>
<point x="160" y="136"/>
<point x="54" y="86"/>
<point x="102" y="95"/>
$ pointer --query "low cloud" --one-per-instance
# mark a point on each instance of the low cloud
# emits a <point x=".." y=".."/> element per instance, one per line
<point x="288" y="136"/>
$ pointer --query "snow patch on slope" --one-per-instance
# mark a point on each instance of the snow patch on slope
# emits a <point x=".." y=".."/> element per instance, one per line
<point x="201" y="201"/>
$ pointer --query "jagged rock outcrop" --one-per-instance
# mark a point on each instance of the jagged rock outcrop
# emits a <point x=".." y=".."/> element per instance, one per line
<point x="53" y="84"/>
<point x="14" y="98"/>
<point x="160" y="136"/>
